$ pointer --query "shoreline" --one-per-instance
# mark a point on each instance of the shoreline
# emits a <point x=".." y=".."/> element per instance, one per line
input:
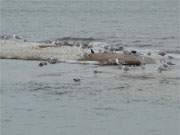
<point x="42" y="52"/>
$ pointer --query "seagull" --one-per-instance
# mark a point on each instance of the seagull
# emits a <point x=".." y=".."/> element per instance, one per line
<point x="96" y="71"/>
<point x="4" y="37"/>
<point x="16" y="37"/>
<point x="143" y="66"/>
<point x="53" y="42"/>
<point x="92" y="51"/>
<point x="126" y="52"/>
<point x="76" y="79"/>
<point x="42" y="64"/>
<point x="163" y="67"/>
<point x="170" y="63"/>
<point x="149" y="53"/>
<point x="117" y="61"/>
<point x="162" y="53"/>
<point x="125" y="68"/>
<point x="170" y="57"/>
<point x="133" y="52"/>
<point x="52" y="60"/>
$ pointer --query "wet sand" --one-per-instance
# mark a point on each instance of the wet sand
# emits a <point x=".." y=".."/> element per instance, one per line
<point x="46" y="100"/>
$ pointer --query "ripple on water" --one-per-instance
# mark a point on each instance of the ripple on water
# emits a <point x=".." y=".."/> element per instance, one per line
<point x="144" y="45"/>
<point x="166" y="38"/>
<point x="50" y="75"/>
<point x="140" y="77"/>
<point x="59" y="93"/>
<point x="50" y="88"/>
<point x="105" y="108"/>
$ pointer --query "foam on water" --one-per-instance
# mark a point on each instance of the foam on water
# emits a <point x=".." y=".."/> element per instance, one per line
<point x="67" y="48"/>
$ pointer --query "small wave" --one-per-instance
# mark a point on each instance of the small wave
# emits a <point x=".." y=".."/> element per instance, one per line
<point x="59" y="93"/>
<point x="64" y="41"/>
<point x="72" y="41"/>
<point x="77" y="39"/>
<point x="144" y="45"/>
<point x="105" y="108"/>
<point x="173" y="51"/>
<point x="141" y="77"/>
<point x="166" y="38"/>
<point x="136" y="41"/>
<point x="50" y="75"/>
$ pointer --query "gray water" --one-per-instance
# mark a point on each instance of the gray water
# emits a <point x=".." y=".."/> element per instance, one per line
<point x="46" y="100"/>
<point x="125" y="22"/>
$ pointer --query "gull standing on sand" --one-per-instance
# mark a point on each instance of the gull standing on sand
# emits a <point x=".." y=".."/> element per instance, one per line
<point x="92" y="51"/>
<point x="118" y="63"/>
<point x="52" y="60"/>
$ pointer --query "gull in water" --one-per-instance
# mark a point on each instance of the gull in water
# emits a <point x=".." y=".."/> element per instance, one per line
<point x="96" y="71"/>
<point x="162" y="53"/>
<point x="125" y="68"/>
<point x="170" y="57"/>
<point x="143" y="66"/>
<point x="5" y="37"/>
<point x="170" y="63"/>
<point x="42" y="64"/>
<point x="163" y="67"/>
<point x="16" y="37"/>
<point x="77" y="79"/>
<point x="149" y="53"/>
